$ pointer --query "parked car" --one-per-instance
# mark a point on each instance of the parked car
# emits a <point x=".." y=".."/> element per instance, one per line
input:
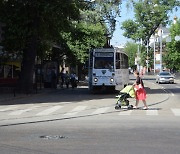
<point x="165" y="77"/>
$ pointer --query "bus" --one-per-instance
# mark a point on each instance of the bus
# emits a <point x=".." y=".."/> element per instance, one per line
<point x="108" y="69"/>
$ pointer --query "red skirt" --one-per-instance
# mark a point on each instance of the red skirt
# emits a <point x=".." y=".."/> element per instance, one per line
<point x="141" y="94"/>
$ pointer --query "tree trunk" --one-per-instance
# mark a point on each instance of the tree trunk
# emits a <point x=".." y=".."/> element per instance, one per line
<point x="30" y="52"/>
<point x="28" y="63"/>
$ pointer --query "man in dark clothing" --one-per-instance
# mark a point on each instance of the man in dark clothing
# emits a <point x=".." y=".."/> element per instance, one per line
<point x="53" y="79"/>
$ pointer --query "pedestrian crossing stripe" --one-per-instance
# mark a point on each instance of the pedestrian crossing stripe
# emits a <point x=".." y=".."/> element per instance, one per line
<point x="19" y="112"/>
<point x="151" y="112"/>
<point x="49" y="111"/>
<point x="101" y="110"/>
<point x="128" y="112"/>
<point x="8" y="108"/>
<point x="176" y="112"/>
<point x="78" y="109"/>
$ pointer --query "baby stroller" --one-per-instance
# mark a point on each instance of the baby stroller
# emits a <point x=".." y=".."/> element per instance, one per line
<point x="127" y="92"/>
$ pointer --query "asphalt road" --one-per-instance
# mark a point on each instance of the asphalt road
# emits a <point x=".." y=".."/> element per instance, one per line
<point x="77" y="122"/>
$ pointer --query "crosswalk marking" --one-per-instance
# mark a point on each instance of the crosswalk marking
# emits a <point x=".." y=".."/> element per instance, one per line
<point x="101" y="110"/>
<point x="128" y="112"/>
<point x="176" y="112"/>
<point x="75" y="110"/>
<point x="15" y="110"/>
<point x="19" y="112"/>
<point x="50" y="110"/>
<point x="8" y="108"/>
<point x="151" y="112"/>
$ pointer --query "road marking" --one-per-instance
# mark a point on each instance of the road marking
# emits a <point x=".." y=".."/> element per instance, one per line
<point x="8" y="108"/>
<point x="176" y="112"/>
<point x="50" y="110"/>
<point x="128" y="112"/>
<point x="151" y="112"/>
<point x="19" y="112"/>
<point x="168" y="91"/>
<point x="75" y="110"/>
<point x="101" y="110"/>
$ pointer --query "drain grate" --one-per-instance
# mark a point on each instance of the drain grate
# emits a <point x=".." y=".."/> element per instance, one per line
<point x="53" y="137"/>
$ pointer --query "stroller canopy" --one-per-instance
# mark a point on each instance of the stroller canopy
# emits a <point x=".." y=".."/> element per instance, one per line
<point x="129" y="90"/>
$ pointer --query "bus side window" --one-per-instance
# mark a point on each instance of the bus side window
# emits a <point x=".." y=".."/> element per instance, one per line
<point x="126" y="61"/>
<point x="117" y="60"/>
<point x="122" y="61"/>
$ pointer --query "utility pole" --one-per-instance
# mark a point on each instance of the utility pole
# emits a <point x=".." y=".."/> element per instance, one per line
<point x="161" y="48"/>
<point x="147" y="59"/>
<point x="154" y="53"/>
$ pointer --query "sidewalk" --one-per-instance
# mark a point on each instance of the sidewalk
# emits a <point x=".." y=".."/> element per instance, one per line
<point x="10" y="95"/>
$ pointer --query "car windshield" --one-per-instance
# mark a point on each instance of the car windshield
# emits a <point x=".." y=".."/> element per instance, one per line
<point x="165" y="73"/>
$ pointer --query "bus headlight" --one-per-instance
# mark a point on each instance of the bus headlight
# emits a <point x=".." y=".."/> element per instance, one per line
<point x="112" y="80"/>
<point x="95" y="79"/>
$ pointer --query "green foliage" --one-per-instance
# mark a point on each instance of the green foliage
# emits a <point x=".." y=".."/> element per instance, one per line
<point x="130" y="28"/>
<point x="172" y="57"/>
<point x="27" y="18"/>
<point x="84" y="37"/>
<point x="107" y="10"/>
<point x="131" y="50"/>
<point x="149" y="14"/>
<point x="48" y="20"/>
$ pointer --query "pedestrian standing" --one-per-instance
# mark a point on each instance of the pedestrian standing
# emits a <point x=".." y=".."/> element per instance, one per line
<point x="73" y="80"/>
<point x="140" y="91"/>
<point x="67" y="79"/>
<point x="53" y="78"/>
<point x="62" y="75"/>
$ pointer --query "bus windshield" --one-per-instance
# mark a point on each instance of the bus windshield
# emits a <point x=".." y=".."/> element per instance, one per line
<point x="104" y="63"/>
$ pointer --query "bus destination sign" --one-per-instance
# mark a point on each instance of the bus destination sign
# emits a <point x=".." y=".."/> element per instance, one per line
<point x="103" y="54"/>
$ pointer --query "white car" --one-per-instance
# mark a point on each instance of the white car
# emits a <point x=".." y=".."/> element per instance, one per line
<point x="165" y="77"/>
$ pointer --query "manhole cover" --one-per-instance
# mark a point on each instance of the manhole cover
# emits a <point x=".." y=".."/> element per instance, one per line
<point x="52" y="137"/>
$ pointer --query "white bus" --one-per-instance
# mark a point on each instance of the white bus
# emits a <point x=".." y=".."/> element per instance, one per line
<point x="108" y="69"/>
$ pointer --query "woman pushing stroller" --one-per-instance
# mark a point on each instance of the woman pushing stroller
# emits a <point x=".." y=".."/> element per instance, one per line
<point x="139" y="91"/>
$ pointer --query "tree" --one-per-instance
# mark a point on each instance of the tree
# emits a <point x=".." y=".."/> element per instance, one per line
<point x="131" y="50"/>
<point x="149" y="14"/>
<point x="30" y="23"/>
<point x="172" y="56"/>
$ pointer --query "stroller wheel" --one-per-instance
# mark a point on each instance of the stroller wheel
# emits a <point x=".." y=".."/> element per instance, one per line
<point x="117" y="107"/>
<point x="130" y="107"/>
<point x="127" y="103"/>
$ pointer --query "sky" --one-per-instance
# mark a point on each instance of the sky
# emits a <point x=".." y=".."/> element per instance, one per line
<point x="118" y="39"/>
